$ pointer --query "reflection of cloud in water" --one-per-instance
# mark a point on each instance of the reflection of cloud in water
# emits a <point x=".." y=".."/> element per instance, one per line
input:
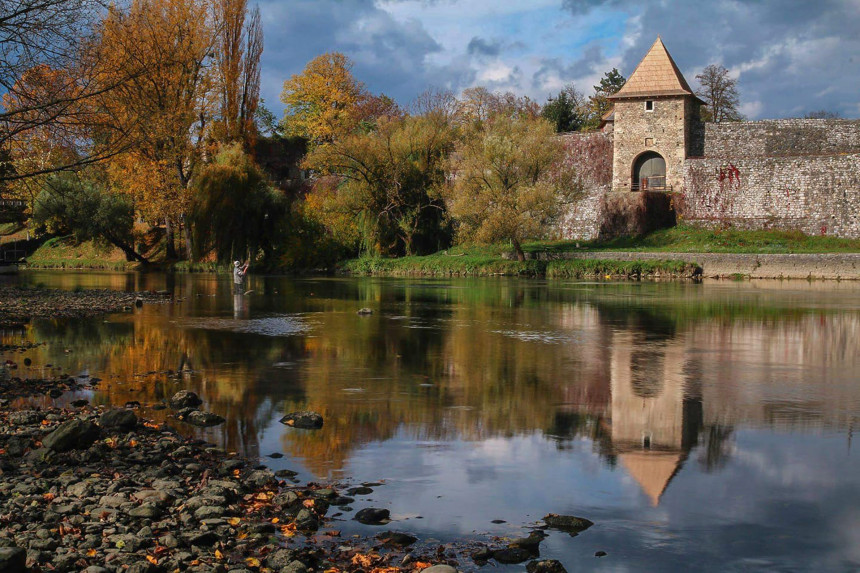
<point x="285" y="325"/>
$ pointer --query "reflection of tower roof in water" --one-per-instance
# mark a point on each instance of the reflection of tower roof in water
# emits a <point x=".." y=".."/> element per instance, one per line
<point x="653" y="470"/>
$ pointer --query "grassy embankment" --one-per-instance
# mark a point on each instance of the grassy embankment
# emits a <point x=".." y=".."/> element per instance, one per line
<point x="65" y="253"/>
<point x="487" y="261"/>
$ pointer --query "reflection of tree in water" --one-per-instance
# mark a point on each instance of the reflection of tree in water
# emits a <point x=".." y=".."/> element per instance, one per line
<point x="144" y="357"/>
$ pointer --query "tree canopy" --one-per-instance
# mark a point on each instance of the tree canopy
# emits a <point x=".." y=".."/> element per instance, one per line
<point x="322" y="101"/>
<point x="504" y="185"/>
<point x="719" y="91"/>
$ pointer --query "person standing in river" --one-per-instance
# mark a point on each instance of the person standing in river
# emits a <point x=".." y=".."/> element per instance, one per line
<point x="239" y="272"/>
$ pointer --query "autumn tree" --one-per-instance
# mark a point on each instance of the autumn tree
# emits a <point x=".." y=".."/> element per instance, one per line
<point x="505" y="185"/>
<point x="719" y="91"/>
<point x="164" y="47"/>
<point x="233" y="210"/>
<point x="598" y="102"/>
<point x="239" y="45"/>
<point x="567" y="111"/>
<point x="321" y="102"/>
<point x="389" y="180"/>
<point x="79" y="204"/>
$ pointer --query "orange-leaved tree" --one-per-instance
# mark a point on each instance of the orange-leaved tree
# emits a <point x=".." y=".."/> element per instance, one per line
<point x="322" y="100"/>
<point x="165" y="49"/>
<point x="239" y="46"/>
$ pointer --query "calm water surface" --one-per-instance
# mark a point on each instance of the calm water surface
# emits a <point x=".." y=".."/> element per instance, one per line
<point x="701" y="427"/>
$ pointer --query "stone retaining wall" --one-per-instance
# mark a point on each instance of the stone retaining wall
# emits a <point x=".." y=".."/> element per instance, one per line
<point x="845" y="266"/>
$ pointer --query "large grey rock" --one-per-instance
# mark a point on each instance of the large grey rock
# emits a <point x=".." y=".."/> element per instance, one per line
<point x="569" y="523"/>
<point x="13" y="560"/>
<point x="307" y="521"/>
<point x="185" y="399"/>
<point x="295" y="567"/>
<point x="545" y="566"/>
<point x="118" y="420"/>
<point x="75" y="434"/>
<point x="305" y="420"/>
<point x="372" y="516"/>
<point x="440" y="569"/>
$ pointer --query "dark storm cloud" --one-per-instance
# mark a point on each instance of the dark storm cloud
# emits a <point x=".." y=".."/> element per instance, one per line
<point x="792" y="56"/>
<point x="592" y="60"/>
<point x="481" y="47"/>
<point x="388" y="55"/>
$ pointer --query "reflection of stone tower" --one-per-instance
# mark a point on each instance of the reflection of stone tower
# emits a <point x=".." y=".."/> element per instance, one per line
<point x="654" y="112"/>
<point x="653" y="423"/>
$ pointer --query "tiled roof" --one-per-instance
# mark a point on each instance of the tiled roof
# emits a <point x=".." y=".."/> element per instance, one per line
<point x="656" y="75"/>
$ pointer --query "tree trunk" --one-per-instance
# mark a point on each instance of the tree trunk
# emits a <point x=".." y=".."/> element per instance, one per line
<point x="187" y="232"/>
<point x="521" y="256"/>
<point x="170" y="248"/>
<point x="130" y="253"/>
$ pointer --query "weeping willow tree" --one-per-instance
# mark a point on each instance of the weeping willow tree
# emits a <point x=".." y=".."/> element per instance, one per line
<point x="235" y="213"/>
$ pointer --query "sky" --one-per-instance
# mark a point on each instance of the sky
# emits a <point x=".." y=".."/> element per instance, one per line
<point x="789" y="57"/>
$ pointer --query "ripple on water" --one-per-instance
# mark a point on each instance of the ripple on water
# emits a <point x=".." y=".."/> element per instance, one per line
<point x="285" y="325"/>
<point x="539" y="336"/>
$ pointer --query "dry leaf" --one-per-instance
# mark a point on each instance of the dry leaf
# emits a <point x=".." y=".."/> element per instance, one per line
<point x="419" y="565"/>
<point x="308" y="503"/>
<point x="234" y="521"/>
<point x="275" y="520"/>
<point x="252" y="562"/>
<point x="91" y="552"/>
<point x="152" y="559"/>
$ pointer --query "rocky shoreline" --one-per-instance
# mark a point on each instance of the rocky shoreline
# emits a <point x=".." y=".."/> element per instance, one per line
<point x="96" y="490"/>
<point x="19" y="304"/>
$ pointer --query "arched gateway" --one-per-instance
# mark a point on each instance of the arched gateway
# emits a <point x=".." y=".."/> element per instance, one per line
<point x="649" y="172"/>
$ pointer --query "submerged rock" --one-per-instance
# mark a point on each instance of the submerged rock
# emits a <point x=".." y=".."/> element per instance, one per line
<point x="305" y="420"/>
<point x="568" y="523"/>
<point x="185" y="399"/>
<point x="545" y="566"/>
<point x="203" y="419"/>
<point x="365" y="311"/>
<point x="396" y="538"/>
<point x="372" y="516"/>
<point x="512" y="555"/>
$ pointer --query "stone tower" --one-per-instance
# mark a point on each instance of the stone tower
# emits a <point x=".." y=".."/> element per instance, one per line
<point x="654" y="114"/>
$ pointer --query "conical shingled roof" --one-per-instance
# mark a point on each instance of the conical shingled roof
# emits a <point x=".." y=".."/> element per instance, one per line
<point x="656" y="75"/>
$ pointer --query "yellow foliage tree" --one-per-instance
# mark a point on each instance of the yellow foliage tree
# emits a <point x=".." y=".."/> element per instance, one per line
<point x="322" y="100"/>
<point x="505" y="181"/>
<point x="390" y="182"/>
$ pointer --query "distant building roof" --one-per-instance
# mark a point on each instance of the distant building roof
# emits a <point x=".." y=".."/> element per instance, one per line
<point x="656" y="75"/>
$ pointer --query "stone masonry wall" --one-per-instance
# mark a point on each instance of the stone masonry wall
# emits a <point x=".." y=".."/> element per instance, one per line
<point x="814" y="194"/>
<point x="781" y="137"/>
<point x="589" y="156"/>
<point x="662" y="130"/>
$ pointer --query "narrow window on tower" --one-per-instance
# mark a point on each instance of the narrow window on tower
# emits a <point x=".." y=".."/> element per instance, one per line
<point x="649" y="105"/>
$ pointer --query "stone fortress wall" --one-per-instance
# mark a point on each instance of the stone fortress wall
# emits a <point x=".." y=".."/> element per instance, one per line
<point x="799" y="174"/>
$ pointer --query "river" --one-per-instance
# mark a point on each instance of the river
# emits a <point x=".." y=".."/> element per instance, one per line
<point x="705" y="426"/>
